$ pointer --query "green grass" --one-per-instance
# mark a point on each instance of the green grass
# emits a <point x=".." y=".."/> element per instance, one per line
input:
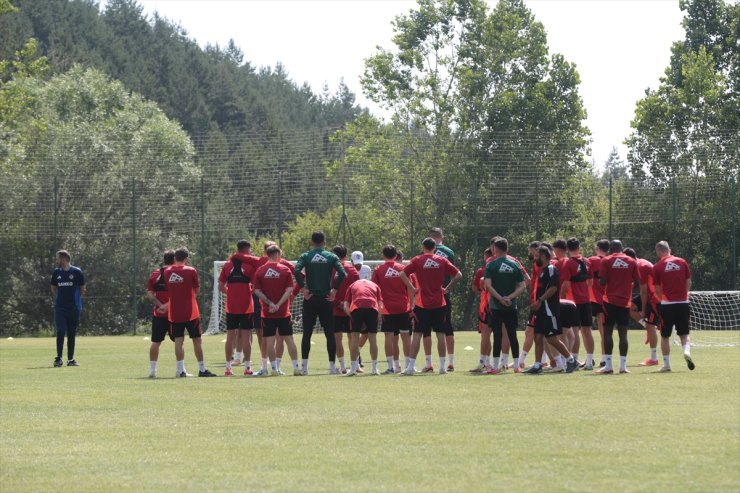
<point x="105" y="427"/>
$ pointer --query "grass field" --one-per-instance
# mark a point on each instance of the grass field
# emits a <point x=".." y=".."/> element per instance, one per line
<point x="104" y="426"/>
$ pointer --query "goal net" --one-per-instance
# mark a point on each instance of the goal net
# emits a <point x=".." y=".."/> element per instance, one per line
<point x="217" y="320"/>
<point x="715" y="318"/>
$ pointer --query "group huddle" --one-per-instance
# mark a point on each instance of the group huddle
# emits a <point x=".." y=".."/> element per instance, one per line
<point x="407" y="302"/>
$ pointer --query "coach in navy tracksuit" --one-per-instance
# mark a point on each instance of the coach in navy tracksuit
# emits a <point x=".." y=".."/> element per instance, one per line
<point x="67" y="287"/>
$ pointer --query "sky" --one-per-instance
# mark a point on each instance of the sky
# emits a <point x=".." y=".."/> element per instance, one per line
<point x="619" y="47"/>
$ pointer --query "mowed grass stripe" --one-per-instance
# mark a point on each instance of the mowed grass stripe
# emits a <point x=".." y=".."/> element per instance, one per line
<point x="106" y="426"/>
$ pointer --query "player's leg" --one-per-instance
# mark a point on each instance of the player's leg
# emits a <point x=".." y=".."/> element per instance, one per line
<point x="666" y="329"/>
<point x="440" y="330"/>
<point x="363" y="340"/>
<point x="371" y="326"/>
<point x="683" y="317"/>
<point x="310" y="313"/>
<point x="354" y="343"/>
<point x="406" y="346"/>
<point x="542" y="326"/>
<point x="194" y="332"/>
<point x="60" y="323"/>
<point x="609" y="321"/>
<point x="449" y="333"/>
<point x="528" y="340"/>
<point x="326" y="318"/>
<point x="160" y="327"/>
<point x="285" y="330"/>
<point x="427" y="341"/>
<point x="422" y="329"/>
<point x="505" y="348"/>
<point x="510" y="322"/>
<point x="339" y="344"/>
<point x="231" y="335"/>
<point x="178" y="332"/>
<point x="390" y="341"/>
<point x="73" y="320"/>
<point x="496" y="323"/>
<point x="623" y="320"/>
<point x="269" y="330"/>
<point x="597" y="310"/>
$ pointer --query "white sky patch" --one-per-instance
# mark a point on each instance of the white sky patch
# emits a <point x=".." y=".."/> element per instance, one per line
<point x="620" y="47"/>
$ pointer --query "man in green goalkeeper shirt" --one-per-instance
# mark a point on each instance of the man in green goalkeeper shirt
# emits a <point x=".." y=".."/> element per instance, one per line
<point x="319" y="266"/>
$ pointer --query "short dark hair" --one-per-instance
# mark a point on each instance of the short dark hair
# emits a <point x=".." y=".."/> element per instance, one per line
<point x="560" y="244"/>
<point x="436" y="232"/>
<point x="502" y="244"/>
<point x="546" y="245"/>
<point x="488" y="252"/>
<point x="543" y="250"/>
<point x="243" y="245"/>
<point x="272" y="250"/>
<point x="630" y="252"/>
<point x="268" y="244"/>
<point x="181" y="254"/>
<point x="340" y="251"/>
<point x="429" y="243"/>
<point x="493" y="240"/>
<point x="534" y="244"/>
<point x="64" y="254"/>
<point x="573" y="244"/>
<point x="318" y="238"/>
<point x="169" y="256"/>
<point x="615" y="246"/>
<point x="603" y="245"/>
<point x="390" y="252"/>
<point x="399" y="256"/>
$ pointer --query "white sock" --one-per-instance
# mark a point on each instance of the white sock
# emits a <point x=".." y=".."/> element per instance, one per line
<point x="442" y="363"/>
<point x="687" y="349"/>
<point x="405" y="361"/>
<point x="487" y="360"/>
<point x="239" y="355"/>
<point x="264" y="364"/>
<point x="278" y="361"/>
<point x="482" y="359"/>
<point x="537" y="364"/>
<point x="228" y="364"/>
<point x="589" y="358"/>
<point x="304" y="365"/>
<point x="543" y="360"/>
<point x="353" y="366"/>
<point x="397" y="365"/>
<point x="429" y="360"/>
<point x="653" y="353"/>
<point x="667" y="361"/>
<point x="332" y="366"/>
<point x="560" y="361"/>
<point x="342" y="364"/>
<point x="180" y="366"/>
<point x="495" y="362"/>
<point x="412" y="362"/>
<point x="247" y="365"/>
<point x="577" y="357"/>
<point x="153" y="366"/>
<point x="374" y="366"/>
<point x="390" y="362"/>
<point x="522" y="357"/>
<point x="622" y="363"/>
<point x="451" y="359"/>
<point x="295" y="364"/>
<point x="608" y="361"/>
<point x="202" y="365"/>
<point x="274" y="366"/>
<point x="505" y="360"/>
<point x="571" y="359"/>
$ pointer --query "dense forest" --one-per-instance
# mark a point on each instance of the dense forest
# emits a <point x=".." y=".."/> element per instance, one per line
<point x="120" y="135"/>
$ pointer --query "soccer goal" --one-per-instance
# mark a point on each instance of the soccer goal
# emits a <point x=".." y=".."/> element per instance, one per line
<point x="715" y="318"/>
<point x="217" y="320"/>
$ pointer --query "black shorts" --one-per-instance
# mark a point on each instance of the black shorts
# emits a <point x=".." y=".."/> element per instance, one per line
<point x="365" y="320"/>
<point x="321" y="308"/>
<point x="241" y="321"/>
<point x="273" y="326"/>
<point x="637" y="302"/>
<point x="193" y="328"/>
<point x="569" y="316"/>
<point x="596" y="308"/>
<point x="397" y="323"/>
<point x="342" y="324"/>
<point x="531" y="320"/>
<point x="448" y="329"/>
<point x="507" y="318"/>
<point x="652" y="315"/>
<point x="429" y="319"/>
<point x="676" y="314"/>
<point x="547" y="325"/>
<point x="160" y="328"/>
<point x="618" y="314"/>
<point x="584" y="314"/>
<point x="257" y="315"/>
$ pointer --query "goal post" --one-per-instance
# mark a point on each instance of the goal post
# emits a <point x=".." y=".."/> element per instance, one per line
<point x="217" y="320"/>
<point x="715" y="318"/>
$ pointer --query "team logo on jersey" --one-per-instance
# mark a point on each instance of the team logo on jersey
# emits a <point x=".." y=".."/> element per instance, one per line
<point x="441" y="253"/>
<point x="318" y="259"/>
<point x="620" y="264"/>
<point x="71" y="276"/>
<point x="670" y="267"/>
<point x="431" y="264"/>
<point x="59" y="277"/>
<point x="272" y="273"/>
<point x="505" y="268"/>
<point x="174" y="277"/>
<point x="392" y="273"/>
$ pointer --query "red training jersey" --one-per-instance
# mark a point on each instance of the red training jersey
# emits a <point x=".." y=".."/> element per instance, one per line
<point x="364" y="294"/>
<point x="430" y="272"/>
<point x="394" y="292"/>
<point x="273" y="278"/>
<point x="238" y="285"/>
<point x="645" y="268"/>
<point x="670" y="273"/>
<point x="579" y="291"/>
<point x="620" y="273"/>
<point x="536" y="270"/>
<point x="156" y="284"/>
<point x="597" y="290"/>
<point x="349" y="279"/>
<point x="181" y="282"/>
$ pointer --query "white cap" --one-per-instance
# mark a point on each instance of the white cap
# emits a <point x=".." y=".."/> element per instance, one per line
<point x="357" y="257"/>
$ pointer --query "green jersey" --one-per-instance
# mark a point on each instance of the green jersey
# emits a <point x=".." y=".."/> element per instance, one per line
<point x="446" y="252"/>
<point x="504" y="274"/>
<point x="319" y="265"/>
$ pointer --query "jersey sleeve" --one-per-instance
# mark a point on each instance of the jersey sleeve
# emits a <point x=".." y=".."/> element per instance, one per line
<point x="297" y="274"/>
<point x="519" y="275"/>
<point x="341" y="273"/>
<point x="554" y="279"/>
<point x="566" y="274"/>
<point x="410" y="268"/>
<point x="225" y="271"/>
<point x="196" y="279"/>
<point x="54" y="278"/>
<point x="450" y="268"/>
<point x="150" y="283"/>
<point x="374" y="277"/>
<point x="636" y="274"/>
<point x="687" y="269"/>
<point x="257" y="280"/>
<point x="81" y="277"/>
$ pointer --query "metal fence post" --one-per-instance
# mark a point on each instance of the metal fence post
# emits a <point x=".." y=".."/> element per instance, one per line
<point x="611" y="187"/>
<point x="674" y="208"/>
<point x="733" y="282"/>
<point x="133" y="256"/>
<point x="202" y="236"/>
<point x="54" y="244"/>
